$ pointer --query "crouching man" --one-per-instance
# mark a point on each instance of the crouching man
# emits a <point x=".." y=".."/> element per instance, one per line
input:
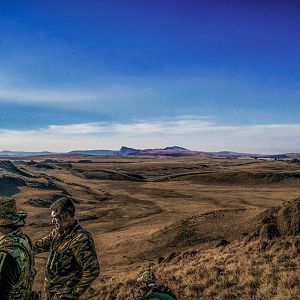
<point x="72" y="263"/>
<point x="151" y="290"/>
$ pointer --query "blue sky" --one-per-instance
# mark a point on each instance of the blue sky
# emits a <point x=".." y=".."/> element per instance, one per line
<point x="223" y="75"/>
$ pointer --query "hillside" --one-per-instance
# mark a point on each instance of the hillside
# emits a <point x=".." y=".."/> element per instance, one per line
<point x="239" y="271"/>
<point x="171" y="213"/>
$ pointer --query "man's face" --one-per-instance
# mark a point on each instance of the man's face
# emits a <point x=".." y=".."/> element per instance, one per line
<point x="62" y="221"/>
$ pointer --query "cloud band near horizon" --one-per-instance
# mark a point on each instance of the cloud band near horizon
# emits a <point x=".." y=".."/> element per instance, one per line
<point x="192" y="132"/>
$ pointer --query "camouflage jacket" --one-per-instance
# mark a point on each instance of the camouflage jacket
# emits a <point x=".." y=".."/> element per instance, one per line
<point x="154" y="291"/>
<point x="72" y="263"/>
<point x="18" y="246"/>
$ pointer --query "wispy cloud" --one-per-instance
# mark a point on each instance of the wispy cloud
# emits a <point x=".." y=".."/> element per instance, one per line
<point x="85" y="97"/>
<point x="42" y="96"/>
<point x="194" y="132"/>
<point x="123" y="97"/>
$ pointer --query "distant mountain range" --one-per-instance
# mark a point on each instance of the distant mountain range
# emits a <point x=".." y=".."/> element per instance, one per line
<point x="24" y="153"/>
<point x="168" y="151"/>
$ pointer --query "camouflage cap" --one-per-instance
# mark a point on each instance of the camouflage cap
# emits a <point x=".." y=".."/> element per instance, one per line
<point x="147" y="276"/>
<point x="8" y="212"/>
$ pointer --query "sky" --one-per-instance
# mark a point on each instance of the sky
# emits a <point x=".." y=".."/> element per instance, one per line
<point x="205" y="75"/>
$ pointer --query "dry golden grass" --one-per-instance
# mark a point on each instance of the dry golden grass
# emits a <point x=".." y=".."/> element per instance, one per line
<point x="172" y="209"/>
<point x="238" y="271"/>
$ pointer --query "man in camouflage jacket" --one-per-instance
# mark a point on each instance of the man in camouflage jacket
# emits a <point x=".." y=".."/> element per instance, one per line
<point x="72" y="263"/>
<point x="16" y="257"/>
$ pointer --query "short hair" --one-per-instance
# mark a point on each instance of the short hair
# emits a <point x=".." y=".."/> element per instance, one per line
<point x="64" y="205"/>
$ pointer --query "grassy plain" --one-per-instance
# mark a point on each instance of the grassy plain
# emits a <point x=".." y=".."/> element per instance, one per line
<point x="169" y="214"/>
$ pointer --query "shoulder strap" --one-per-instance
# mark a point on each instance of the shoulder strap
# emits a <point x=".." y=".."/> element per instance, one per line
<point x="3" y="255"/>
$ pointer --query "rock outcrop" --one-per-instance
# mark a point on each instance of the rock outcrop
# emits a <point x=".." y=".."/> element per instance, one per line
<point x="280" y="221"/>
<point x="288" y="218"/>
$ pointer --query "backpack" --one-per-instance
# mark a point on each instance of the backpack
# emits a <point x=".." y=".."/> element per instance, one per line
<point x="161" y="292"/>
<point x="160" y="296"/>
